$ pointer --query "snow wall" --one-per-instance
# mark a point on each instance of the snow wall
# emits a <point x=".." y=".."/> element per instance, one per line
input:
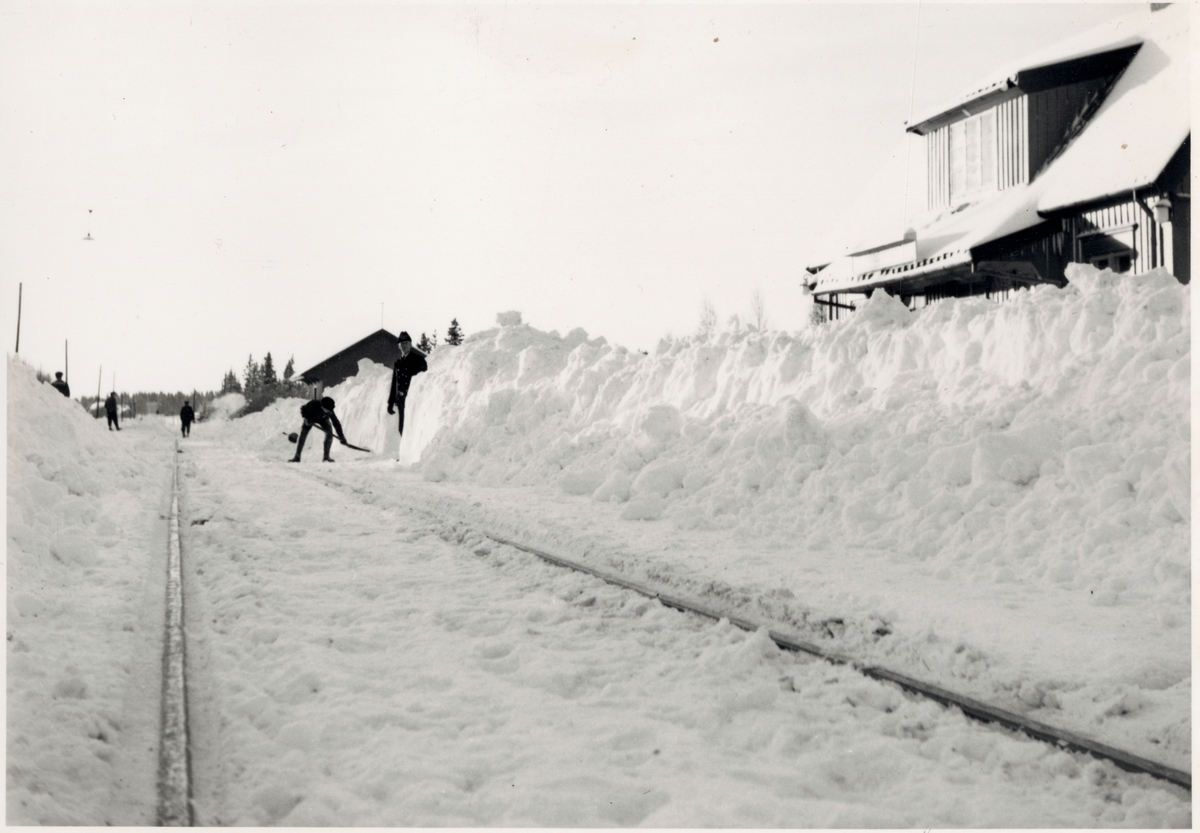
<point x="1044" y="439"/>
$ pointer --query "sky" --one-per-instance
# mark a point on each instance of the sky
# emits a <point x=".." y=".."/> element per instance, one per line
<point x="263" y="177"/>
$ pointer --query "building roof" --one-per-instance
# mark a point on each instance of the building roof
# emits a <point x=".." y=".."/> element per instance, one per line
<point x="314" y="372"/>
<point x="939" y="244"/>
<point x="1100" y="50"/>
<point x="1139" y="127"/>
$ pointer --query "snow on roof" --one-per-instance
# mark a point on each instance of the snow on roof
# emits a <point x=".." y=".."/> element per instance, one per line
<point x="1137" y="129"/>
<point x="1117" y="33"/>
<point x="944" y="241"/>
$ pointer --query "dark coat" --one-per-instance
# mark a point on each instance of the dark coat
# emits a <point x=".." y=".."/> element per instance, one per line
<point x="110" y="404"/>
<point x="405" y="368"/>
<point x="187" y="414"/>
<point x="62" y="387"/>
<point x="313" y="412"/>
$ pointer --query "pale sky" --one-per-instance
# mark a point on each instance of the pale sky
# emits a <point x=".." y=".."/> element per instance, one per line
<point x="289" y="178"/>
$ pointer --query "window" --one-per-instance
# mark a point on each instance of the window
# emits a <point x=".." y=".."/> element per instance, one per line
<point x="973" y="155"/>
<point x="1117" y="262"/>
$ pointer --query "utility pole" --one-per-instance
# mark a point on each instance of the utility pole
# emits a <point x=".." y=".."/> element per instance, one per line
<point x="20" y="288"/>
<point x="99" y="381"/>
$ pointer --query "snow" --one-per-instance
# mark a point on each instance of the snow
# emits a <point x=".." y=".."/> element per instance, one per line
<point x="991" y="497"/>
<point x="1140" y="125"/>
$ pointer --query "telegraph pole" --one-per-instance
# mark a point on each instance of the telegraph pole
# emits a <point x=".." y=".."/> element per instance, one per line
<point x="20" y="288"/>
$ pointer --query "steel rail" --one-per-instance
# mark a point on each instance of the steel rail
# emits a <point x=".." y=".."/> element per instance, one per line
<point x="174" y="781"/>
<point x="969" y="706"/>
<point x="972" y="708"/>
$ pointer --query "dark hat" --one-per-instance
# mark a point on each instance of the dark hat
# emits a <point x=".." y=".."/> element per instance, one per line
<point x="404" y="337"/>
<point x="327" y="402"/>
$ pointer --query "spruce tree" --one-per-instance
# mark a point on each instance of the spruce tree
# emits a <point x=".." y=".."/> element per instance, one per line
<point x="267" y="372"/>
<point x="454" y="334"/>
<point x="289" y="369"/>
<point x="230" y="383"/>
<point x="424" y="346"/>
<point x="252" y="377"/>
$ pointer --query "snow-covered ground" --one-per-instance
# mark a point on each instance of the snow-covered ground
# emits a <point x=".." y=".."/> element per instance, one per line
<point x="994" y="498"/>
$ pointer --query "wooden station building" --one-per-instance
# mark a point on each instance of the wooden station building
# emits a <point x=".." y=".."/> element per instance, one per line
<point x="1080" y="154"/>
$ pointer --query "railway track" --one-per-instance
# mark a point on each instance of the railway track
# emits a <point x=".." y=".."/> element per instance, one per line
<point x="969" y="706"/>
<point x="174" y="782"/>
<point x="174" y="776"/>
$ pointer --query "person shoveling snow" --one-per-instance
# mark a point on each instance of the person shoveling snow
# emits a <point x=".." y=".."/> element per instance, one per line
<point x="319" y="412"/>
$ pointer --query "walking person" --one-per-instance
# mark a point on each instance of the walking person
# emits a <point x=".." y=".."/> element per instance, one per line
<point x="410" y="363"/>
<point x="110" y="408"/>
<point x="319" y="412"/>
<point x="62" y="386"/>
<point x="186" y="416"/>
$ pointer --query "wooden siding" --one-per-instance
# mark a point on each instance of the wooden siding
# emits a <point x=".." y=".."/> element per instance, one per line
<point x="937" y="146"/>
<point x="1013" y="149"/>
<point x="1112" y="230"/>
<point x="1055" y="115"/>
<point x="1010" y="153"/>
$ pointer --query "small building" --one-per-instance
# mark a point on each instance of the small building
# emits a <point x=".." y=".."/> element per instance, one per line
<point x="380" y="346"/>
<point x="1080" y="154"/>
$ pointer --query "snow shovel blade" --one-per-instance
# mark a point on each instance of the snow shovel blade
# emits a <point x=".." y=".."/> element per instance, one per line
<point x="348" y="445"/>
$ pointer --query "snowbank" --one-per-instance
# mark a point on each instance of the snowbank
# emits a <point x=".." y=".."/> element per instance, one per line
<point x="1043" y="441"/>
<point x="84" y="606"/>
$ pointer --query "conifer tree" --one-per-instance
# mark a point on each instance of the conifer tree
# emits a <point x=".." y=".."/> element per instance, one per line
<point x="230" y="383"/>
<point x="454" y="335"/>
<point x="424" y="346"/>
<point x="289" y="369"/>
<point x="252" y="377"/>
<point x="267" y="372"/>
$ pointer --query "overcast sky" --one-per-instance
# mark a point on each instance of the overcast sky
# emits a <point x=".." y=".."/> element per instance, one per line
<point x="289" y="178"/>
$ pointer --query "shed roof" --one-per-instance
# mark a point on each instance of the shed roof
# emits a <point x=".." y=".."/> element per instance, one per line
<point x="315" y="371"/>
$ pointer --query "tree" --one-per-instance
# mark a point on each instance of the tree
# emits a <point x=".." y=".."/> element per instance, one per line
<point x="758" y="310"/>
<point x="424" y="346"/>
<point x="454" y="334"/>
<point x="708" y="319"/>
<point x="252" y="377"/>
<point x="230" y="383"/>
<point x="267" y="373"/>
<point x="289" y="369"/>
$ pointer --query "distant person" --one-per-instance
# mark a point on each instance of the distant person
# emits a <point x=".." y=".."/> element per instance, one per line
<point x="110" y="408"/>
<point x="62" y="386"/>
<point x="410" y="363"/>
<point x="186" y="416"/>
<point x="319" y="412"/>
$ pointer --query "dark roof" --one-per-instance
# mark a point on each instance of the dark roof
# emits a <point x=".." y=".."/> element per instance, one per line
<point x="314" y="372"/>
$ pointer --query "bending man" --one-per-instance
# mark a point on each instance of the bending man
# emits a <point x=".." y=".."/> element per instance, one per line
<point x="319" y="412"/>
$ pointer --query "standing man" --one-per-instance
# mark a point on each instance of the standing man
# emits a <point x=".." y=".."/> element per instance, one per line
<point x="186" y="416"/>
<point x="410" y="363"/>
<point x="110" y="408"/>
<point x="62" y="386"/>
<point x="319" y="412"/>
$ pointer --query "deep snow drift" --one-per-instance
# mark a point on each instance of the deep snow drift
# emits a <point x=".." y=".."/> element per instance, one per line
<point x="993" y="497"/>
